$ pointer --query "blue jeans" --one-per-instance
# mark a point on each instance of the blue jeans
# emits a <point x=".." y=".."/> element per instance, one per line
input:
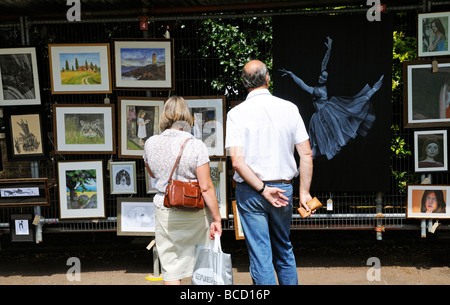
<point x="266" y="229"/>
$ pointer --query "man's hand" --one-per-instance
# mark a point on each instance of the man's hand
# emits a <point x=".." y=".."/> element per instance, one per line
<point x="275" y="196"/>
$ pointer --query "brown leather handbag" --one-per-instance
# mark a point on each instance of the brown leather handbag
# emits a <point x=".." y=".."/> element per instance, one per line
<point x="181" y="194"/>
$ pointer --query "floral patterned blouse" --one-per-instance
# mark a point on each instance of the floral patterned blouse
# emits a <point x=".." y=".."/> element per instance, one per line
<point x="160" y="153"/>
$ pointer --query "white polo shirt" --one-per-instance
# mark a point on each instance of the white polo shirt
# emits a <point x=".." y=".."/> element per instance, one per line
<point x="268" y="128"/>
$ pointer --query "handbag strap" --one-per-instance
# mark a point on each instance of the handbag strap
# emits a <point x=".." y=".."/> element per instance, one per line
<point x="178" y="159"/>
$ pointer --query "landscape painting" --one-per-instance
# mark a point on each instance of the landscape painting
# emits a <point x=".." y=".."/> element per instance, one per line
<point x="81" y="189"/>
<point x="144" y="64"/>
<point x="80" y="68"/>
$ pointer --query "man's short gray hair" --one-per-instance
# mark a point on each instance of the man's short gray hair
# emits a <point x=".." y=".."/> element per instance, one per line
<point x="255" y="78"/>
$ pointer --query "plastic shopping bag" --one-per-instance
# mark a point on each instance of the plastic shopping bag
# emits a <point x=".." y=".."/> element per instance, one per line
<point x="212" y="266"/>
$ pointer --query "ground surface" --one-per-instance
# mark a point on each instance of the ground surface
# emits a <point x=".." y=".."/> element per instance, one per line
<point x="323" y="258"/>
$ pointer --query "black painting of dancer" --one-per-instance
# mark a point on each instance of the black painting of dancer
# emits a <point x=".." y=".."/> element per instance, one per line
<point x="337" y="119"/>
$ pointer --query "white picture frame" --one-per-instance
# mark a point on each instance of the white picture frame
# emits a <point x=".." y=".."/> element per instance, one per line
<point x="419" y="197"/>
<point x="70" y="121"/>
<point x="63" y="60"/>
<point x="134" y="59"/>
<point x="123" y="177"/>
<point x="135" y="216"/>
<point x="209" y="122"/>
<point x="428" y="42"/>
<point x="77" y="201"/>
<point x="130" y="143"/>
<point x="430" y="151"/>
<point x="17" y="89"/>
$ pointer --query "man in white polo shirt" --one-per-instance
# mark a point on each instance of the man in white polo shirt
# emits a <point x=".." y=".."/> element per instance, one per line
<point x="261" y="135"/>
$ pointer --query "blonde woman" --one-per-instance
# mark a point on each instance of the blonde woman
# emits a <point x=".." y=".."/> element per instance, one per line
<point x="179" y="231"/>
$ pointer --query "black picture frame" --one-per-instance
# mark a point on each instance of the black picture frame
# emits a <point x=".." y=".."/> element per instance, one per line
<point x="21" y="228"/>
<point x="25" y="133"/>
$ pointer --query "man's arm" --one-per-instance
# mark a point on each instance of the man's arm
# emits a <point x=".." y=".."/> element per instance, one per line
<point x="272" y="194"/>
<point x="306" y="171"/>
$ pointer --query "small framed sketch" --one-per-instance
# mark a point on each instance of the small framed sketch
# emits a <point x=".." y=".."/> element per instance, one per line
<point x="138" y="120"/>
<point x="430" y="151"/>
<point x="150" y="183"/>
<point x="24" y="192"/>
<point x="238" y="231"/>
<point x="19" y="83"/>
<point x="21" y="228"/>
<point x="428" y="201"/>
<point x="25" y="133"/>
<point x="123" y="177"/>
<point x="218" y="176"/>
<point x="81" y="189"/>
<point x="80" y="68"/>
<point x="145" y="64"/>
<point x="432" y="34"/>
<point x="426" y="94"/>
<point x="135" y="216"/>
<point x="84" y="129"/>
<point x="209" y="122"/>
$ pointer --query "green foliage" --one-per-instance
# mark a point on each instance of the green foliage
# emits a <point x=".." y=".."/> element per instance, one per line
<point x="233" y="47"/>
<point x="404" y="49"/>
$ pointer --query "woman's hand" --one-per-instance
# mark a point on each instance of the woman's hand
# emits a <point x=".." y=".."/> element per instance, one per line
<point x="215" y="228"/>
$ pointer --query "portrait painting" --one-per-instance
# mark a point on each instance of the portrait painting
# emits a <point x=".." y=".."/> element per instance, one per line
<point x="432" y="34"/>
<point x="138" y="121"/>
<point x="428" y="201"/>
<point x="430" y="150"/>
<point x="426" y="93"/>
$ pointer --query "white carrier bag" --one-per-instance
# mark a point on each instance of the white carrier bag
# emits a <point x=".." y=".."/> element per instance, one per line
<point x="212" y="266"/>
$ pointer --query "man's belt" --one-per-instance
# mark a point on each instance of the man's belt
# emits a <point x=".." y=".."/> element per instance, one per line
<point x="279" y="181"/>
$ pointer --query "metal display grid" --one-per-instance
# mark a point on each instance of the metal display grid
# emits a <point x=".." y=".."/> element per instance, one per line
<point x="193" y="75"/>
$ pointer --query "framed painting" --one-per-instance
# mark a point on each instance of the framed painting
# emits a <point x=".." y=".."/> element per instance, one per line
<point x="426" y="94"/>
<point x="218" y="176"/>
<point x="24" y="192"/>
<point x="432" y="34"/>
<point x="123" y="177"/>
<point x="150" y="183"/>
<point x="138" y="120"/>
<point x="19" y="83"/>
<point x="145" y="64"/>
<point x="428" y="201"/>
<point x="238" y="231"/>
<point x="81" y="189"/>
<point x="21" y="228"/>
<point x="84" y="129"/>
<point x="209" y="122"/>
<point x="135" y="216"/>
<point x="25" y="133"/>
<point x="430" y="151"/>
<point x="80" y="68"/>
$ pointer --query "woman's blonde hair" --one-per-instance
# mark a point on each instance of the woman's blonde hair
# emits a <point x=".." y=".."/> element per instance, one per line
<point x="175" y="111"/>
